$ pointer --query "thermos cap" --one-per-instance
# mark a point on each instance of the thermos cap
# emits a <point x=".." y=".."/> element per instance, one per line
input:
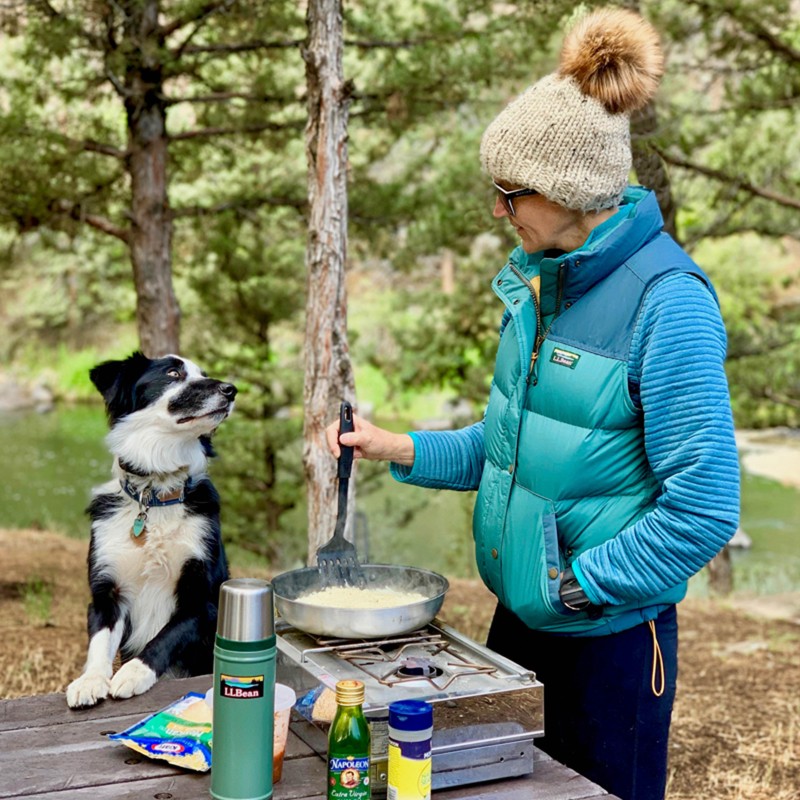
<point x="245" y="610"/>
<point x="410" y="715"/>
<point x="349" y="693"/>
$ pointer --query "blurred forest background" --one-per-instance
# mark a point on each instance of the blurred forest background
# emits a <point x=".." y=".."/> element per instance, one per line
<point x="219" y="88"/>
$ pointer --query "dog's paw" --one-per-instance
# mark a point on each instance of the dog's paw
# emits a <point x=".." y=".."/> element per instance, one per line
<point x="134" y="677"/>
<point x="87" y="690"/>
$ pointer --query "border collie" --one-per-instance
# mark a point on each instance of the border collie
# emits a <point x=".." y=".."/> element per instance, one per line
<point x="156" y="559"/>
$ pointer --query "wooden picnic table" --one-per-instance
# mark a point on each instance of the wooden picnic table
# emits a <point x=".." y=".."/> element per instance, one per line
<point x="50" y="751"/>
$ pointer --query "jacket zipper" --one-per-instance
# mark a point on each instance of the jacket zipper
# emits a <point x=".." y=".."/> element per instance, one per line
<point x="539" y="339"/>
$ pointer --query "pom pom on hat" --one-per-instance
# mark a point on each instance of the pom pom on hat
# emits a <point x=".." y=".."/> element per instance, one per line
<point x="568" y="135"/>
<point x="614" y="56"/>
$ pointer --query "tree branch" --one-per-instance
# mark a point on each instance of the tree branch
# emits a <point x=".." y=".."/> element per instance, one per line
<point x="754" y="27"/>
<point x="774" y="104"/>
<point x="54" y="14"/>
<point x="780" y="398"/>
<point x="84" y="145"/>
<point x="774" y="42"/>
<point x="119" y="88"/>
<point x="242" y="47"/>
<point x="75" y="211"/>
<point x="401" y="44"/>
<point x="740" y="182"/>
<point x="245" y="204"/>
<point x="198" y="15"/>
<point x="91" y="146"/>
<point x="407" y="44"/>
<point x="205" y="133"/>
<point x="222" y="97"/>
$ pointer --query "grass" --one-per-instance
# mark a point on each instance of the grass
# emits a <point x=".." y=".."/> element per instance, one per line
<point x="37" y="597"/>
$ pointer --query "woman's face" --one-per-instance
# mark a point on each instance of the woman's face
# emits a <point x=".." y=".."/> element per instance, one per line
<point x="540" y="223"/>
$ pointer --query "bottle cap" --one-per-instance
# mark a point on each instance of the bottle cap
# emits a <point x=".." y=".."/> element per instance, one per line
<point x="245" y="610"/>
<point x="410" y="715"/>
<point x="349" y="693"/>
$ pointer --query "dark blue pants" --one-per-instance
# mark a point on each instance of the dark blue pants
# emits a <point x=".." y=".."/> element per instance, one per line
<point x="602" y="718"/>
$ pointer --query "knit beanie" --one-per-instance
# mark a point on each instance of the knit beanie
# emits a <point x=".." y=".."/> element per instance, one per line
<point x="568" y="135"/>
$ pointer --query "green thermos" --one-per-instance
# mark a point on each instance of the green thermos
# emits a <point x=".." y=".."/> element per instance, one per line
<point x="244" y="692"/>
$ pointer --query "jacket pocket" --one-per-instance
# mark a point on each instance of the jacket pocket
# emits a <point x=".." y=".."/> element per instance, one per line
<point x="531" y="561"/>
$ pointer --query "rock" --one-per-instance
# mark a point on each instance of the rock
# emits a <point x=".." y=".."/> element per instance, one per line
<point x="740" y="539"/>
<point x="459" y="411"/>
<point x="42" y="399"/>
<point x="366" y="409"/>
<point x="14" y="396"/>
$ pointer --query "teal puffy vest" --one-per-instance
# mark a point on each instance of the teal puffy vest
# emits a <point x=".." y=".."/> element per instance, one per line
<point x="566" y="467"/>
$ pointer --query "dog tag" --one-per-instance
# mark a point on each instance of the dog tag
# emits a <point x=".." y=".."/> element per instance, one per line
<point x="138" y="526"/>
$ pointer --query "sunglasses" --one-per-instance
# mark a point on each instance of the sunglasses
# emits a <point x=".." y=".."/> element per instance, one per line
<point x="507" y="197"/>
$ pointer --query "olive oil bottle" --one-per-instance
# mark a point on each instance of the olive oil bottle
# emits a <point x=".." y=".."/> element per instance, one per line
<point x="349" y="745"/>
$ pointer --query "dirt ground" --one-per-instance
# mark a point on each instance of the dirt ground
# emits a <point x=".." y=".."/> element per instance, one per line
<point x="736" y="731"/>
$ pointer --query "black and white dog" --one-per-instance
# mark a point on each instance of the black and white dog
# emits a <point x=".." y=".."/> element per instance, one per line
<point x="156" y="559"/>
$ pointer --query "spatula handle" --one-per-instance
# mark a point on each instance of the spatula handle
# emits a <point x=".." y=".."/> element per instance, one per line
<point x="346" y="425"/>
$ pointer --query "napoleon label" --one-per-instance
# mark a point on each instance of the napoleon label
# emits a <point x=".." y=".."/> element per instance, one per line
<point x="348" y="778"/>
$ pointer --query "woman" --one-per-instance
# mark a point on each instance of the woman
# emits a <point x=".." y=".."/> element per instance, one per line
<point x="605" y="464"/>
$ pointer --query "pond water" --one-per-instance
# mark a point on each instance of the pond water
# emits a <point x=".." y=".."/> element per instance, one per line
<point x="53" y="460"/>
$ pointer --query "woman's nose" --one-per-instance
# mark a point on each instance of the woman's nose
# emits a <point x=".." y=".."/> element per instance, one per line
<point x="499" y="211"/>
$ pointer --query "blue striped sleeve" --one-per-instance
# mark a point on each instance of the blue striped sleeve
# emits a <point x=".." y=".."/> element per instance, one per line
<point x="445" y="459"/>
<point x="677" y="358"/>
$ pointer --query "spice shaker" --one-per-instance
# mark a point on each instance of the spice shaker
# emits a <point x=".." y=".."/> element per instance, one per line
<point x="244" y="692"/>
<point x="410" y="731"/>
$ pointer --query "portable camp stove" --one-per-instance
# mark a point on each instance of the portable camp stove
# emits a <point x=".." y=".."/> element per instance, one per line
<point x="486" y="709"/>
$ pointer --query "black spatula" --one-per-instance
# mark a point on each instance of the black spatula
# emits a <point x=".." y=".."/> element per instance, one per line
<point x="336" y="559"/>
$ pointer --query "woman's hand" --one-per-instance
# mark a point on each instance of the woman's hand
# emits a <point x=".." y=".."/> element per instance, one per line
<point x="371" y="442"/>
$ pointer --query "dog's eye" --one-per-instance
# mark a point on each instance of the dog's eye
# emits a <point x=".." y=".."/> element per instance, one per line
<point x="173" y="373"/>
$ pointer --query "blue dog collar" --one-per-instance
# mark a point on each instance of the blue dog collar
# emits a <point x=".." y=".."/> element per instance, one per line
<point x="150" y="499"/>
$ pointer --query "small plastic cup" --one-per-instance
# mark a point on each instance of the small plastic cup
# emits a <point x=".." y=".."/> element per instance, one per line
<point x="284" y="700"/>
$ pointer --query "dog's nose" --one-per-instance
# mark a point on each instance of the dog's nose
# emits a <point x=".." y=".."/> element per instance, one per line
<point x="229" y="390"/>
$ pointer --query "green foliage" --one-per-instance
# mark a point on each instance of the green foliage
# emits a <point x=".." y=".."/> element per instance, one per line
<point x="758" y="291"/>
<point x="247" y="282"/>
<point x="37" y="598"/>
<point x="730" y="114"/>
<point x="66" y="371"/>
<point x="61" y="291"/>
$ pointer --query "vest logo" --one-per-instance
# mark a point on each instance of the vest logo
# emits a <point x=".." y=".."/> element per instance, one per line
<point x="564" y="358"/>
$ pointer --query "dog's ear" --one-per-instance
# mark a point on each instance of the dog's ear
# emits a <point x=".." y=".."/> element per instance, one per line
<point x="116" y="380"/>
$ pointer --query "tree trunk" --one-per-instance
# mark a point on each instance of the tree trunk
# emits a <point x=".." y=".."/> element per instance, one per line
<point x="720" y="573"/>
<point x="157" y="311"/>
<point x="328" y="371"/>
<point x="650" y="169"/>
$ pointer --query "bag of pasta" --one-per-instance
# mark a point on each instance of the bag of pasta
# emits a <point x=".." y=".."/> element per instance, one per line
<point x="179" y="734"/>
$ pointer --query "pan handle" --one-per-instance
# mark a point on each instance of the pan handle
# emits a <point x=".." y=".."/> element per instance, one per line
<point x="346" y="425"/>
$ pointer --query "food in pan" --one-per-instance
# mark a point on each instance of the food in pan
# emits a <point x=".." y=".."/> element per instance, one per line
<point x="353" y="597"/>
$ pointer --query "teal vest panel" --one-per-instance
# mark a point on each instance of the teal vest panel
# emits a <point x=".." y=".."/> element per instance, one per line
<point x="566" y="467"/>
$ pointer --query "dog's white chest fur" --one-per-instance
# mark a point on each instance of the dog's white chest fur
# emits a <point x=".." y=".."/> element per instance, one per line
<point x="147" y="570"/>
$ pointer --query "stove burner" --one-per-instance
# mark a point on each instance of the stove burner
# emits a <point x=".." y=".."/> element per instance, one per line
<point x="370" y="657"/>
<point x="418" y="668"/>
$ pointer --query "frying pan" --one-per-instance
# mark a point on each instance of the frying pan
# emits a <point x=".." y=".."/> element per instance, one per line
<point x="289" y="588"/>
